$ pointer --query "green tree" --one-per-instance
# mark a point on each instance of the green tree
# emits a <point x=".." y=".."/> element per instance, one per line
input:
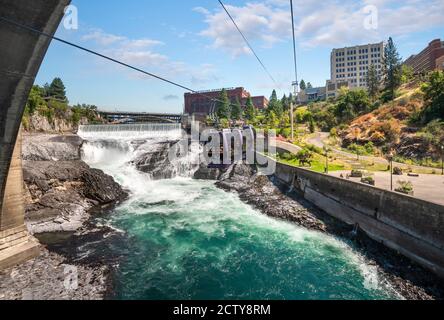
<point x="372" y="82"/>
<point x="434" y="96"/>
<point x="392" y="68"/>
<point x="302" y="85"/>
<point x="236" y="111"/>
<point x="275" y="105"/>
<point x="407" y="74"/>
<point x="250" y="110"/>
<point x="57" y="90"/>
<point x="285" y="102"/>
<point x="351" y="103"/>
<point x="35" y="99"/>
<point x="309" y="85"/>
<point x="223" y="106"/>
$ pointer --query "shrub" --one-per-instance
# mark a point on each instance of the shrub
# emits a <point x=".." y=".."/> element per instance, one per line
<point x="405" y="187"/>
<point x="397" y="171"/>
<point x="305" y="157"/>
<point x="356" y="174"/>
<point x="368" y="180"/>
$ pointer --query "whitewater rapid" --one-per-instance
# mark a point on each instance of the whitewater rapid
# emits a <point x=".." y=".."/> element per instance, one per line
<point x="190" y="240"/>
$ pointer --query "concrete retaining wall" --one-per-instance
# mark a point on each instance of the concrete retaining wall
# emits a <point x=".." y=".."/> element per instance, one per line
<point x="413" y="227"/>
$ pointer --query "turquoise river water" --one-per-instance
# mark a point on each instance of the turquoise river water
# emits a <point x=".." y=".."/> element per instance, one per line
<point x="190" y="240"/>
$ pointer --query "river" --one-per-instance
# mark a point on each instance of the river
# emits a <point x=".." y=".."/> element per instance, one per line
<point x="187" y="239"/>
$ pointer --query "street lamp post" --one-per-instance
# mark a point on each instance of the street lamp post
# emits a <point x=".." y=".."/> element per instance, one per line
<point x="442" y="159"/>
<point x="390" y="158"/>
<point x="326" y="159"/>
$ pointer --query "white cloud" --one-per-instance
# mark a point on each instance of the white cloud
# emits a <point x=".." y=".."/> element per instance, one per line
<point x="142" y="53"/>
<point x="318" y="23"/>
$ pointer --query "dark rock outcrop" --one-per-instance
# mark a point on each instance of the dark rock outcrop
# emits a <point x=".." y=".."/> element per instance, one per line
<point x="260" y="192"/>
<point x="155" y="161"/>
<point x="205" y="173"/>
<point x="60" y="194"/>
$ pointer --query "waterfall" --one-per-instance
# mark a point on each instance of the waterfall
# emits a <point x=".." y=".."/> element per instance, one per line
<point x="138" y="150"/>
<point x="130" y="131"/>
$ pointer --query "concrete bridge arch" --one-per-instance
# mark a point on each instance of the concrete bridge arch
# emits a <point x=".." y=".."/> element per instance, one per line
<point x="21" y="54"/>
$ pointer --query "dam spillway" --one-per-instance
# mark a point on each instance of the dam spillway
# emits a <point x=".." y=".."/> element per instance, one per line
<point x="131" y="131"/>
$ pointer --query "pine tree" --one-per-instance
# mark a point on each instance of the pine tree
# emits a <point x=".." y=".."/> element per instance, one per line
<point x="275" y="105"/>
<point x="285" y="102"/>
<point x="309" y="85"/>
<point x="57" y="90"/>
<point x="372" y="82"/>
<point x="302" y="85"/>
<point x="392" y="68"/>
<point x="250" y="110"/>
<point x="236" y="111"/>
<point x="223" y="106"/>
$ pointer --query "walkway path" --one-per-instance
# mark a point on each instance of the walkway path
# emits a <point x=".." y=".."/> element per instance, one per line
<point x="427" y="187"/>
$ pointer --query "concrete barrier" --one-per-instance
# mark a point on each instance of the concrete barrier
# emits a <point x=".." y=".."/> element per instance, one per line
<point x="411" y="226"/>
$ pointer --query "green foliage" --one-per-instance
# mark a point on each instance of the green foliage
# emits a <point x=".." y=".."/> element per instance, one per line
<point x="302" y="85"/>
<point x="405" y="187"/>
<point x="223" y="106"/>
<point x="305" y="157"/>
<point x="433" y="91"/>
<point x="35" y="100"/>
<point x="407" y="74"/>
<point x="275" y="105"/>
<point x="250" y="110"/>
<point x="368" y="180"/>
<point x="372" y="81"/>
<point x="48" y="102"/>
<point x="392" y="68"/>
<point x="352" y="103"/>
<point x="84" y="111"/>
<point x="57" y="90"/>
<point x="236" y="111"/>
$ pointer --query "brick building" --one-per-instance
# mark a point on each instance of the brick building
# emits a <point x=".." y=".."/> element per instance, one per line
<point x="202" y="103"/>
<point x="426" y="60"/>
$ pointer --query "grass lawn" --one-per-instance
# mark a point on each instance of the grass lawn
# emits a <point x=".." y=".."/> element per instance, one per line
<point x="318" y="164"/>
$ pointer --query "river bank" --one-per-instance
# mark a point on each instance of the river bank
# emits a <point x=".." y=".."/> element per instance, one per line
<point x="128" y="221"/>
<point x="62" y="194"/>
<point x="409" y="279"/>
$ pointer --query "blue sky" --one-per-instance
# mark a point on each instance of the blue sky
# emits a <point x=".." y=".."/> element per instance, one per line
<point x="193" y="42"/>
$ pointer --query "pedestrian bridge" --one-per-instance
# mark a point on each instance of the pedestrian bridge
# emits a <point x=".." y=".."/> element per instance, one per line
<point x="140" y="117"/>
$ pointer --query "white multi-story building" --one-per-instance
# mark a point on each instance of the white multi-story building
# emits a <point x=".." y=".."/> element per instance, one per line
<point x="349" y="66"/>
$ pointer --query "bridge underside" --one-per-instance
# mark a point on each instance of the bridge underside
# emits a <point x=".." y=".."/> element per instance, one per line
<point x="21" y="54"/>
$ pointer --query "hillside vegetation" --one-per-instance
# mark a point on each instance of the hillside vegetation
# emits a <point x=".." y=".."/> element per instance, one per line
<point x="48" y="110"/>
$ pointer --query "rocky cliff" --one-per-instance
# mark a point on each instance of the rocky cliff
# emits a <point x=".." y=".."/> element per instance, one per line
<point x="60" y="188"/>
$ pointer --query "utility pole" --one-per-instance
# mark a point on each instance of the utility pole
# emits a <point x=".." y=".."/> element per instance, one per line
<point x="295" y="84"/>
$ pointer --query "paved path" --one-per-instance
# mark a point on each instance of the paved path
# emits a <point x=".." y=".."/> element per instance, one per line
<point x="288" y="146"/>
<point x="320" y="137"/>
<point x="427" y="187"/>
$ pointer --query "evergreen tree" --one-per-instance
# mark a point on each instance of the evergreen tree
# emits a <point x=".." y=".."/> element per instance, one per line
<point x="285" y="102"/>
<point x="302" y="85"/>
<point x="250" y="110"/>
<point x="223" y="106"/>
<point x="372" y="81"/>
<point x="309" y="86"/>
<point x="275" y="105"/>
<point x="57" y="90"/>
<point x="392" y="68"/>
<point x="236" y="111"/>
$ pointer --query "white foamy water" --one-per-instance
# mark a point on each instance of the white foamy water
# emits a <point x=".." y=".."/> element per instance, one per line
<point x="192" y="240"/>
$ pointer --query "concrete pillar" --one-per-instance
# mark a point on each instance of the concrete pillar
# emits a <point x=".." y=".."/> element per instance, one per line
<point x="21" y="54"/>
